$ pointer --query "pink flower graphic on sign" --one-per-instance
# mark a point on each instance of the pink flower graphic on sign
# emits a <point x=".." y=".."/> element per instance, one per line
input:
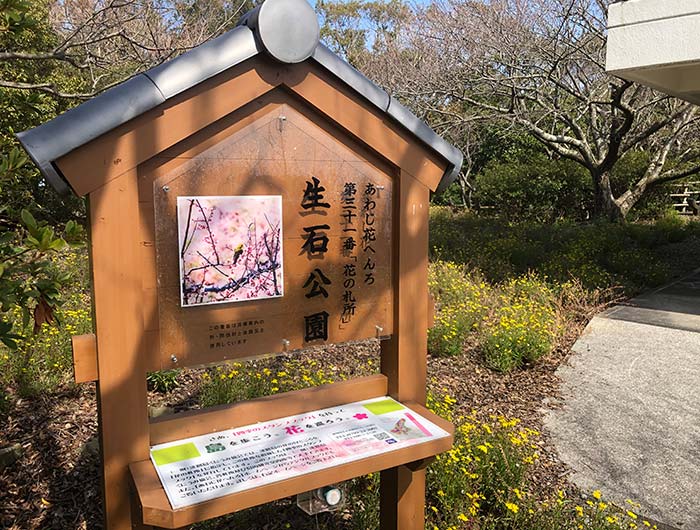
<point x="293" y="430"/>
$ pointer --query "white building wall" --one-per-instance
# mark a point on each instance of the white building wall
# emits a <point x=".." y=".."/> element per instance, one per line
<point x="656" y="42"/>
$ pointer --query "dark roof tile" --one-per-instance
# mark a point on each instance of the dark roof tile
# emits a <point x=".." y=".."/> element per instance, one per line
<point x="78" y="126"/>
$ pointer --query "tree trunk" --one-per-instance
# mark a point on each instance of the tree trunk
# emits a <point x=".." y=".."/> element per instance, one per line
<point x="465" y="192"/>
<point x="605" y="205"/>
<point x="627" y="200"/>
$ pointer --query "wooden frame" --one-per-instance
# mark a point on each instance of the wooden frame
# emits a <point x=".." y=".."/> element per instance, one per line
<point x="155" y="509"/>
<point x="116" y="171"/>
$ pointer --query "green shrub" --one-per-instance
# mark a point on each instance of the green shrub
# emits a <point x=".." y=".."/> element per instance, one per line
<point x="668" y="228"/>
<point x="625" y="265"/>
<point x="364" y="497"/>
<point x="162" y="381"/>
<point x="44" y="360"/>
<point x="671" y="226"/>
<point x="484" y="482"/>
<point x="483" y="472"/>
<point x="513" y="341"/>
<point x="514" y="322"/>
<point x="600" y="255"/>
<point x="522" y="327"/>
<point x="533" y="187"/>
<point x="240" y="381"/>
<point x="461" y="304"/>
<point x="234" y="382"/>
<point x="446" y="337"/>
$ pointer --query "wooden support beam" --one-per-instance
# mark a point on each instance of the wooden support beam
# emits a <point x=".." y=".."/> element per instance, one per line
<point x="404" y="356"/>
<point x="131" y="326"/>
<point x="419" y="465"/>
<point x="156" y="509"/>
<point x="84" y="358"/>
<point x="402" y="499"/>
<point x="121" y="390"/>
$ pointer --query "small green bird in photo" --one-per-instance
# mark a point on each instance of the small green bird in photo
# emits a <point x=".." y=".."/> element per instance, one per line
<point x="237" y="253"/>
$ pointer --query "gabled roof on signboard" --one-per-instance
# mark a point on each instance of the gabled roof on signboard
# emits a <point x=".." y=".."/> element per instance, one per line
<point x="286" y="30"/>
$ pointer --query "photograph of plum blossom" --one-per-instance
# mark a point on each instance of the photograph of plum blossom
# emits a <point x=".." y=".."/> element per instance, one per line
<point x="230" y="248"/>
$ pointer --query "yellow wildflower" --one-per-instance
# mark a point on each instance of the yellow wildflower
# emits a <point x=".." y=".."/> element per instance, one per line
<point x="512" y="507"/>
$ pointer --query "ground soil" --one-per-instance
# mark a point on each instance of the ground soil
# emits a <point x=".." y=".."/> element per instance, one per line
<point x="55" y="484"/>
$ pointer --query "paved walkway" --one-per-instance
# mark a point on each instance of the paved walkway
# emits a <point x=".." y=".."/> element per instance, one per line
<point x="630" y="421"/>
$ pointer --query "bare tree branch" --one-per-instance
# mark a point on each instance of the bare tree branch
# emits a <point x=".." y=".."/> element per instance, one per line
<point x="107" y="41"/>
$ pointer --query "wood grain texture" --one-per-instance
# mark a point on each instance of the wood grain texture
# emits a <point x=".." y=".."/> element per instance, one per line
<point x="373" y="127"/>
<point x="122" y="172"/>
<point x="404" y="356"/>
<point x="276" y="155"/>
<point x="134" y="142"/>
<point x="402" y="498"/>
<point x="84" y="357"/>
<point x="121" y="389"/>
<point x="144" y="137"/>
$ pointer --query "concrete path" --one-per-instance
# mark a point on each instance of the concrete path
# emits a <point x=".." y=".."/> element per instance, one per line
<point x="630" y="420"/>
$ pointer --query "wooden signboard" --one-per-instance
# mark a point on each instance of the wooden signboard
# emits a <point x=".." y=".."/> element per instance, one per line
<point x="254" y="196"/>
<point x="317" y="270"/>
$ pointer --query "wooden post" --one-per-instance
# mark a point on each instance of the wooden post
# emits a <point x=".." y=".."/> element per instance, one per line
<point x="404" y="360"/>
<point x="121" y="389"/>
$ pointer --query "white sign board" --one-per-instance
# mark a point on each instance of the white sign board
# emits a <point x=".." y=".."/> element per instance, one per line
<point x="205" y="467"/>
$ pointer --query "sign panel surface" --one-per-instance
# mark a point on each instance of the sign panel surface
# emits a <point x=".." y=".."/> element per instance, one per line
<point x="205" y="467"/>
<point x="335" y="275"/>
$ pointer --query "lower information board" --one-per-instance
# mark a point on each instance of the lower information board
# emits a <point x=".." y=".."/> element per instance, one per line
<point x="205" y="467"/>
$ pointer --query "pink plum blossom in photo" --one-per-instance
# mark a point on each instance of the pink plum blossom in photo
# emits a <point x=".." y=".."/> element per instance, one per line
<point x="230" y="248"/>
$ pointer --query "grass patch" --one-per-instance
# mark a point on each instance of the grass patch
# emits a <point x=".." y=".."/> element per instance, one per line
<point x="162" y="381"/>
<point x="240" y="381"/>
<point x="482" y="474"/>
<point x="484" y="482"/>
<point x="522" y="325"/>
<point x="462" y="302"/>
<point x="513" y="322"/>
<point x="516" y="291"/>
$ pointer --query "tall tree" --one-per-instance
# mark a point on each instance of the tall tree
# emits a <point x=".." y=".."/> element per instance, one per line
<point x="362" y="30"/>
<point x="54" y="54"/>
<point x="540" y="65"/>
<point x="57" y="53"/>
<point x="104" y="41"/>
